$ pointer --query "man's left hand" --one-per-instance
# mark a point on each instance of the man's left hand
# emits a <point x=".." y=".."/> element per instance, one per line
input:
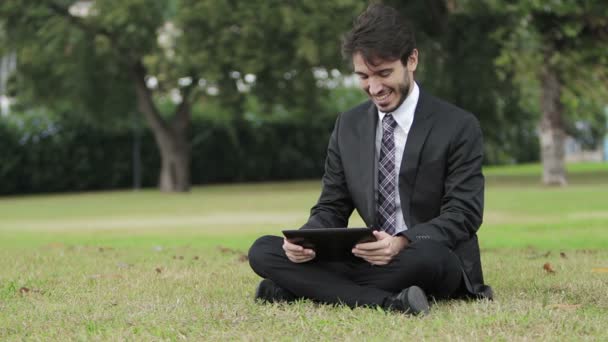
<point x="381" y="252"/>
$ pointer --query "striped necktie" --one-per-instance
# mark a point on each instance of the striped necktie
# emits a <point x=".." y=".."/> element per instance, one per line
<point x="387" y="177"/>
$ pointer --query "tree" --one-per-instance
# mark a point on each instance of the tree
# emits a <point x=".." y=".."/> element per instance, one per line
<point x="457" y="54"/>
<point x="112" y="57"/>
<point x="558" y="51"/>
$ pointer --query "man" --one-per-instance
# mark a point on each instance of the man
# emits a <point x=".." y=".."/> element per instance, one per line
<point x="410" y="164"/>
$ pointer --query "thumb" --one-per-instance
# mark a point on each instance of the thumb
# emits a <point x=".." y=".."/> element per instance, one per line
<point x="380" y="235"/>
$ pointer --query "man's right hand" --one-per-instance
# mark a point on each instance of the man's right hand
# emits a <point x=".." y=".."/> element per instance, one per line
<point x="296" y="253"/>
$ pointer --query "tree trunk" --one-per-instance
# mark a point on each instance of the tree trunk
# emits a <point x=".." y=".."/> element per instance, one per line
<point x="171" y="137"/>
<point x="175" y="163"/>
<point x="552" y="134"/>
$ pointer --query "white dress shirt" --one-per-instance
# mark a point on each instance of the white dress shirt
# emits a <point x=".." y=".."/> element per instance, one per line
<point x="404" y="116"/>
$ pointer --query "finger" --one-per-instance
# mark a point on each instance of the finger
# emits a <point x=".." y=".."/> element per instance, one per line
<point x="288" y="246"/>
<point x="378" y="260"/>
<point x="381" y="235"/>
<point x="380" y="251"/>
<point x="302" y="258"/>
<point x="370" y="246"/>
<point x="373" y="254"/>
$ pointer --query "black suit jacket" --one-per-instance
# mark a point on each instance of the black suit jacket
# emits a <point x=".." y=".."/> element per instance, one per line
<point x="441" y="184"/>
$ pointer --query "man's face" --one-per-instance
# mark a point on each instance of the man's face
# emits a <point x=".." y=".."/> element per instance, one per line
<point x="387" y="83"/>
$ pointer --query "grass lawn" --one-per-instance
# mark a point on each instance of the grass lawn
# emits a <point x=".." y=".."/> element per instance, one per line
<point x="148" y="266"/>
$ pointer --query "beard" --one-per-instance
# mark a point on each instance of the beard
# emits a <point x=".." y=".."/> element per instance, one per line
<point x="403" y="91"/>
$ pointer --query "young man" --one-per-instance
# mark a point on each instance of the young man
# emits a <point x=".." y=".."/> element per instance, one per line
<point x="410" y="164"/>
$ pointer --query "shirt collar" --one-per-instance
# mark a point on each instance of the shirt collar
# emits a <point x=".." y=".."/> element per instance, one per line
<point x="404" y="114"/>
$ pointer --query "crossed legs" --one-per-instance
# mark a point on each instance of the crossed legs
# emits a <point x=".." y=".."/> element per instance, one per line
<point x="427" y="264"/>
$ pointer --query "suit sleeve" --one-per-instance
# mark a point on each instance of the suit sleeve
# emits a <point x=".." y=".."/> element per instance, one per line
<point x="461" y="210"/>
<point x="335" y="205"/>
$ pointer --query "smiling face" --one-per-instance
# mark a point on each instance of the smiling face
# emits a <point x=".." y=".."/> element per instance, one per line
<point x="387" y="83"/>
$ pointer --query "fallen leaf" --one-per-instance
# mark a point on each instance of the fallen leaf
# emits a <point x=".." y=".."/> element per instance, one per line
<point x="175" y="257"/>
<point x="227" y="250"/>
<point x="600" y="270"/>
<point x="24" y="290"/>
<point x="159" y="270"/>
<point x="538" y="256"/>
<point x="196" y="257"/>
<point x="547" y="267"/>
<point x="565" y="306"/>
<point x="181" y="257"/>
<point x="563" y="255"/>
<point x="243" y="258"/>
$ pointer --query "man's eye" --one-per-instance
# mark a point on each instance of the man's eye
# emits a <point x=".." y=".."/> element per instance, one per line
<point x="385" y="74"/>
<point x="363" y="77"/>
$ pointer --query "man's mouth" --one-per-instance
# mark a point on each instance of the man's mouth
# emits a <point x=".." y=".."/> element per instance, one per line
<point x="382" y="98"/>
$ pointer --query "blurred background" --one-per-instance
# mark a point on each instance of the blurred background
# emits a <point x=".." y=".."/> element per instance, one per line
<point x="120" y="94"/>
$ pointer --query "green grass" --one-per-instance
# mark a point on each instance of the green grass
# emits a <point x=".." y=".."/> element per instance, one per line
<point x="90" y="263"/>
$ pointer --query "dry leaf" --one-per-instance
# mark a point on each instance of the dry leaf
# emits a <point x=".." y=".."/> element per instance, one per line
<point x="24" y="290"/>
<point x="196" y="257"/>
<point x="243" y="258"/>
<point x="159" y="270"/>
<point x="547" y="267"/>
<point x="563" y="255"/>
<point x="227" y="250"/>
<point x="565" y="306"/>
<point x="175" y="257"/>
<point x="538" y="256"/>
<point x="181" y="257"/>
<point x="600" y="270"/>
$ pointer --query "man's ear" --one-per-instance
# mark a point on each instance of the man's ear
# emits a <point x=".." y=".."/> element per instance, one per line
<point x="412" y="61"/>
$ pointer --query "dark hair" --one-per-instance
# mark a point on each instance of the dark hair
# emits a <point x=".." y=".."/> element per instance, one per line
<point x="379" y="33"/>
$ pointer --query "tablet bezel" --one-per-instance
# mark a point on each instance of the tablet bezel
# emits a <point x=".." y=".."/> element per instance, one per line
<point x="330" y="244"/>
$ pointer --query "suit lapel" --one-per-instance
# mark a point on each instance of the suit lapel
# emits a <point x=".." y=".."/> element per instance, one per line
<point x="367" y="155"/>
<point x="411" y="155"/>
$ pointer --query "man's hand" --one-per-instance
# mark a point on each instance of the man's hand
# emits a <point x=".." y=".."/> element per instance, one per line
<point x="296" y="253"/>
<point x="381" y="252"/>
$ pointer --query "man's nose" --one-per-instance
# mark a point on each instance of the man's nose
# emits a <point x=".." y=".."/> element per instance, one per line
<point x="375" y="86"/>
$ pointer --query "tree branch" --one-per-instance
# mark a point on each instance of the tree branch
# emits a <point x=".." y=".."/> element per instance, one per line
<point x="145" y="103"/>
<point x="181" y="119"/>
<point x="87" y="27"/>
<point x="76" y="21"/>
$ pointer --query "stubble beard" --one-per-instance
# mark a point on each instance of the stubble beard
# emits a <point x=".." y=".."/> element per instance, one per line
<point x="403" y="90"/>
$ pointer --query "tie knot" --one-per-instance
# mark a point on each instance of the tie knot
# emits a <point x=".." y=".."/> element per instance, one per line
<point x="389" y="123"/>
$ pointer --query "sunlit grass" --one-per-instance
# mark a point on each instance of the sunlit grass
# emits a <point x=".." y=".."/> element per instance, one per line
<point x="144" y="265"/>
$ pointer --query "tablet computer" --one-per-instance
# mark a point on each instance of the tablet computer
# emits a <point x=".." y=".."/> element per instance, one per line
<point x="330" y="244"/>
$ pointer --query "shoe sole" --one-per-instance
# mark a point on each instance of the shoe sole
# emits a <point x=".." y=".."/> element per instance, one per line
<point x="417" y="300"/>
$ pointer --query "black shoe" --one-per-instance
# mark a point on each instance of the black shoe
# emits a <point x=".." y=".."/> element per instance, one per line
<point x="411" y="301"/>
<point x="269" y="292"/>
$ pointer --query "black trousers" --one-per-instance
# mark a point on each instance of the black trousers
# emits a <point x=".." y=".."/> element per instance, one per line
<point x="428" y="264"/>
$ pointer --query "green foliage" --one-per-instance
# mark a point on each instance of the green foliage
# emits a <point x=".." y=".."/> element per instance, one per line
<point x="457" y="54"/>
<point x="46" y="153"/>
<point x="569" y="37"/>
